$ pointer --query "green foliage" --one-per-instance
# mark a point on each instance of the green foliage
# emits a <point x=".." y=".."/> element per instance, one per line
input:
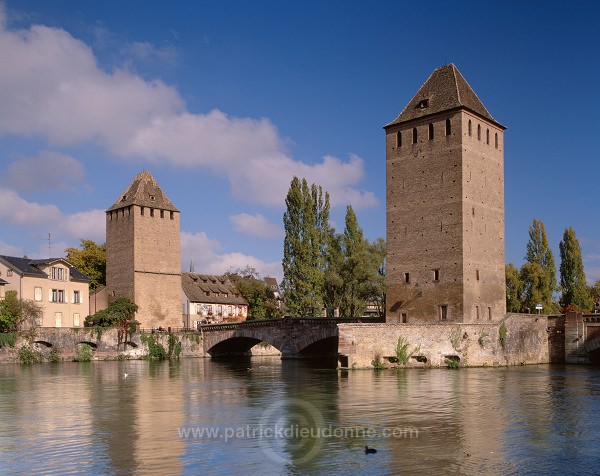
<point x="514" y="289"/>
<point x="29" y="356"/>
<point x="119" y="314"/>
<point x="502" y="333"/>
<point x="575" y="291"/>
<point x="54" y="357"/>
<point x="452" y="363"/>
<point x="403" y="354"/>
<point x="174" y="346"/>
<point x="84" y="354"/>
<point x="155" y="350"/>
<point x="8" y="339"/>
<point x="16" y="314"/>
<point x="539" y="272"/>
<point x="260" y="297"/>
<point x="377" y="363"/>
<point x="306" y="223"/>
<point x="90" y="260"/>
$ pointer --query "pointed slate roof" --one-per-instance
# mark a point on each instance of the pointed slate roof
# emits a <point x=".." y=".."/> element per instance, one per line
<point x="444" y="90"/>
<point x="144" y="191"/>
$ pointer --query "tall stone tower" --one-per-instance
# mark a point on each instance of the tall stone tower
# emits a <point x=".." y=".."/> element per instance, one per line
<point x="445" y="206"/>
<point x="143" y="257"/>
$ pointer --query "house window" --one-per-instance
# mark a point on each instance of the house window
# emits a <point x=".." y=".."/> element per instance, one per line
<point x="477" y="312"/>
<point x="478" y="131"/>
<point x="470" y="128"/>
<point x="57" y="273"/>
<point x="76" y="322"/>
<point x="448" y="127"/>
<point x="398" y="139"/>
<point x="76" y="297"/>
<point x="8" y="273"/>
<point x="58" y="319"/>
<point x="407" y="278"/>
<point x="37" y="294"/>
<point x="404" y="318"/>
<point x="57" y="295"/>
<point x="496" y="140"/>
<point x="414" y="135"/>
<point x="443" y="312"/>
<point x="436" y="274"/>
<point x="430" y="131"/>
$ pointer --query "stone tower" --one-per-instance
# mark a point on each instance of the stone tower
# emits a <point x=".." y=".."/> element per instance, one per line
<point x="445" y="206"/>
<point x="143" y="257"/>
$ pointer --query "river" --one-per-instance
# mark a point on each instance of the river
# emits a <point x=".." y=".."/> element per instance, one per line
<point x="264" y="416"/>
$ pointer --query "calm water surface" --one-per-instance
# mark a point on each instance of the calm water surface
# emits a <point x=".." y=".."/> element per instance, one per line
<point x="267" y="417"/>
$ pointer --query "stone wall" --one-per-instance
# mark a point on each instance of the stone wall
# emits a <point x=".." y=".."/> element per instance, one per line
<point x="517" y="339"/>
<point x="105" y="346"/>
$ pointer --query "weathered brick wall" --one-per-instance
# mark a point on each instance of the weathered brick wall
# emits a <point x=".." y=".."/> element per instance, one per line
<point x="526" y="342"/>
<point x="445" y="211"/>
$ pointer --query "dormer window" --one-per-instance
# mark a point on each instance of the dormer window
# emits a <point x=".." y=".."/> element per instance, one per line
<point x="124" y="198"/>
<point x="423" y="104"/>
<point x="152" y="198"/>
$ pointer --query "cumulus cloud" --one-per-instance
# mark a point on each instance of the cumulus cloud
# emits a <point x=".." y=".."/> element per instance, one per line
<point x="17" y="211"/>
<point x="52" y="86"/>
<point x="46" y="171"/>
<point x="255" y="225"/>
<point x="204" y="253"/>
<point x="10" y="250"/>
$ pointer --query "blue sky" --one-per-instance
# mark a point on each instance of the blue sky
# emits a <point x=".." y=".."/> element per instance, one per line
<point x="223" y="102"/>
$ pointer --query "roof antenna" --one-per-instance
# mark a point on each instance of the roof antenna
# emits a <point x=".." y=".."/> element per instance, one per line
<point x="49" y="247"/>
<point x="445" y="61"/>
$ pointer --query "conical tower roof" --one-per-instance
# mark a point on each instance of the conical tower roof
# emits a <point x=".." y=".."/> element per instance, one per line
<point x="145" y="192"/>
<point x="444" y="90"/>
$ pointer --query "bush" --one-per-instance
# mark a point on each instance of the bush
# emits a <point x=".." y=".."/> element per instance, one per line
<point x="54" y="356"/>
<point x="502" y="332"/>
<point x="377" y="363"/>
<point x="29" y="356"/>
<point x="84" y="354"/>
<point x="155" y="350"/>
<point x="8" y="338"/>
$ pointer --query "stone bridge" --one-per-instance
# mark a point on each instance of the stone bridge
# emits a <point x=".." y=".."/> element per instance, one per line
<point x="295" y="338"/>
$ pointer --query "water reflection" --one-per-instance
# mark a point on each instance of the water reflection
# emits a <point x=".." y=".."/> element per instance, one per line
<point x="220" y="417"/>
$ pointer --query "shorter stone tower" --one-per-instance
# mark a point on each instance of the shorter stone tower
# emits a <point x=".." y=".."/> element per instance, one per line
<point x="143" y="257"/>
<point x="445" y="206"/>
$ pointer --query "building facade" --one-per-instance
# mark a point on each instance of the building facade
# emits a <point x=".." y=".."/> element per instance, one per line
<point x="209" y="298"/>
<point x="143" y="258"/>
<point x="445" y="206"/>
<point x="55" y="284"/>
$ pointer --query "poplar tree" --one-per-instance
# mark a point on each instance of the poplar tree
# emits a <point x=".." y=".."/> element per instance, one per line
<point x="539" y="271"/>
<point x="572" y="276"/>
<point x="514" y="289"/>
<point x="306" y="223"/>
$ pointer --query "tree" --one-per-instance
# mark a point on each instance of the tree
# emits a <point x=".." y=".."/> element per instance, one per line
<point x="333" y="282"/>
<point x="514" y="289"/>
<point x="90" y="260"/>
<point x="594" y="291"/>
<point x="262" y="303"/>
<point x="306" y="223"/>
<point x="539" y="271"/>
<point x="119" y="314"/>
<point x="575" y="291"/>
<point x="18" y="314"/>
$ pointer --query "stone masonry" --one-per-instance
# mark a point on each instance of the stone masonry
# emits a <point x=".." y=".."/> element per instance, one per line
<point x="445" y="207"/>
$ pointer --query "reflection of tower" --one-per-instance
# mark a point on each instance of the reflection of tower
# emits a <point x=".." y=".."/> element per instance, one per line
<point x="143" y="259"/>
<point x="445" y="206"/>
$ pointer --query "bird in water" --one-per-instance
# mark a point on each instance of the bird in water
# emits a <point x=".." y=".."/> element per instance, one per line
<point x="370" y="450"/>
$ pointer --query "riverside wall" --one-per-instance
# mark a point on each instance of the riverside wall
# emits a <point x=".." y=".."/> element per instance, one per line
<point x="515" y="340"/>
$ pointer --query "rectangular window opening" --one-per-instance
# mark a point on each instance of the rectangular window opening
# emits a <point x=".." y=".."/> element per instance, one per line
<point x="404" y="318"/>
<point x="443" y="312"/>
<point x="407" y="278"/>
<point x="477" y="275"/>
<point x="477" y="312"/>
<point x="436" y="274"/>
<point x="489" y="313"/>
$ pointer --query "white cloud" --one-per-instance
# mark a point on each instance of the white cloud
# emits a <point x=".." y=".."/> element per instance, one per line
<point x="204" y="253"/>
<point x="255" y="225"/>
<point x="146" y="51"/>
<point x="46" y="171"/>
<point x="52" y="86"/>
<point x="10" y="250"/>
<point x="18" y="211"/>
